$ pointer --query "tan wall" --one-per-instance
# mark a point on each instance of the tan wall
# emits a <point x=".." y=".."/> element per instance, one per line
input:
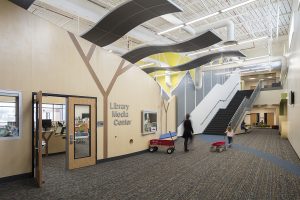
<point x="36" y="55"/>
<point x="171" y="116"/>
<point x="266" y="109"/>
<point x="269" y="97"/>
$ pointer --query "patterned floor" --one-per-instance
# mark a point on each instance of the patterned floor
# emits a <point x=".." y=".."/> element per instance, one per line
<point x="260" y="165"/>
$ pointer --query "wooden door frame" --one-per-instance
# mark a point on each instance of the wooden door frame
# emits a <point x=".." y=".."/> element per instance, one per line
<point x="273" y="118"/>
<point x="32" y="119"/>
<point x="72" y="162"/>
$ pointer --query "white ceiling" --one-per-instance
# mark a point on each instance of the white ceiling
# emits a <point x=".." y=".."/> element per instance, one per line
<point x="254" y="20"/>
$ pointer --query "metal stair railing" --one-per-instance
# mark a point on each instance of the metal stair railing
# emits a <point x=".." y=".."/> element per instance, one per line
<point x="245" y="105"/>
<point x="219" y="101"/>
<point x="239" y="112"/>
<point x="254" y="95"/>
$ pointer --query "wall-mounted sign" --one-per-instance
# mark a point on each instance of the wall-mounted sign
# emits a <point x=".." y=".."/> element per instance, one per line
<point x="119" y="113"/>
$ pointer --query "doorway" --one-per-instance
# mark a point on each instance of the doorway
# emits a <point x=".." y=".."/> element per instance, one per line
<point x="67" y="135"/>
<point x="254" y="119"/>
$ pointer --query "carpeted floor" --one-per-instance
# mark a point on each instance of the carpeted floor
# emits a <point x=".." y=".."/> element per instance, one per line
<point x="260" y="165"/>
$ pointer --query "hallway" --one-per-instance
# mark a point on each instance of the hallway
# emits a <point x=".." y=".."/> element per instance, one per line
<point x="260" y="165"/>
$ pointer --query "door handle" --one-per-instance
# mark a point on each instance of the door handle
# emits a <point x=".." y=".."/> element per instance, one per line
<point x="72" y="139"/>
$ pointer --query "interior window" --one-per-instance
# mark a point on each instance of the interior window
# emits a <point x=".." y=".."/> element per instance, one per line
<point x="10" y="105"/>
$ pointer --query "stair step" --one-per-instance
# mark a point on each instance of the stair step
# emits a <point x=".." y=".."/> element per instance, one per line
<point x="221" y="120"/>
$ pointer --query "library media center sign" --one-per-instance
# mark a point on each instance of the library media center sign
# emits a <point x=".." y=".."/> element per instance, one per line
<point x="120" y="114"/>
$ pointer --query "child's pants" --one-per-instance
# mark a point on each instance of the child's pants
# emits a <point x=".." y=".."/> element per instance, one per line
<point x="229" y="140"/>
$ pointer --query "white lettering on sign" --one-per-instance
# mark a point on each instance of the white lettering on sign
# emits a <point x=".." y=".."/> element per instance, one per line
<point x="119" y="112"/>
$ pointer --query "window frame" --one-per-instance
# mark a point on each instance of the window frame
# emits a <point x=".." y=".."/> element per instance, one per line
<point x="19" y="110"/>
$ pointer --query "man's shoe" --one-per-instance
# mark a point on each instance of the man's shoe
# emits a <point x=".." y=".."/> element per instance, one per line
<point x="186" y="150"/>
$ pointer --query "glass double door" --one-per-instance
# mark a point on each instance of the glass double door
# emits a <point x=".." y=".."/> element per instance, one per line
<point x="80" y="135"/>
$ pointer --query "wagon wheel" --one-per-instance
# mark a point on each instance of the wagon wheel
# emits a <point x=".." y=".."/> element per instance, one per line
<point x="212" y="148"/>
<point x="152" y="149"/>
<point x="170" y="150"/>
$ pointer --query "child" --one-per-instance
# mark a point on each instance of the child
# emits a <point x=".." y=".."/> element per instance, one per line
<point x="230" y="135"/>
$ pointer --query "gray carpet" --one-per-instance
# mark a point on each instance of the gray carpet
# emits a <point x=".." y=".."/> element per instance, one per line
<point x="199" y="174"/>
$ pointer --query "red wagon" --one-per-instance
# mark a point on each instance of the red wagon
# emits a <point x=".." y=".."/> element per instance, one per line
<point x="218" y="146"/>
<point x="169" y="144"/>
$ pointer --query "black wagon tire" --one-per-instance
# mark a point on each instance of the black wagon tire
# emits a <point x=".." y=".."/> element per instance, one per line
<point x="170" y="150"/>
<point x="152" y="149"/>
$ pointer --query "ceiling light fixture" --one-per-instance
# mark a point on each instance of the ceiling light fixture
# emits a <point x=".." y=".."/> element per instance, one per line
<point x="199" y="52"/>
<point x="237" y="5"/>
<point x="207" y="16"/>
<point x="253" y="40"/>
<point x="222" y="47"/>
<point x="202" y="18"/>
<point x="171" y="29"/>
<point x="252" y="78"/>
<point x="146" y="65"/>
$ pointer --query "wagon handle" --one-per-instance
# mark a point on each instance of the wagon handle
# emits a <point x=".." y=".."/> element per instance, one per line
<point x="171" y="135"/>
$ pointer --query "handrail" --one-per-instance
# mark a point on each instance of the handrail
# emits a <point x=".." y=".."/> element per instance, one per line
<point x="221" y="100"/>
<point x="245" y="105"/>
<point x="235" y="118"/>
<point x="254" y="94"/>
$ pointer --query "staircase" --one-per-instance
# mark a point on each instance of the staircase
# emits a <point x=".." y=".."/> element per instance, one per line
<point x="219" y="123"/>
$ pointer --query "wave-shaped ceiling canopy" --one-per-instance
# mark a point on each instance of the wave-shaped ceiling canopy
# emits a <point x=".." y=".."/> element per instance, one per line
<point x="196" y="62"/>
<point x="23" y="3"/>
<point x="199" y="42"/>
<point x="125" y="17"/>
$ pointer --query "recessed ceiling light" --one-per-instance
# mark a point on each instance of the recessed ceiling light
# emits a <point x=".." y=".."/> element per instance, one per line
<point x="252" y="78"/>
<point x="270" y="77"/>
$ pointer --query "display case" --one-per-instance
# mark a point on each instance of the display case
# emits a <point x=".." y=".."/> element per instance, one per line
<point x="149" y="122"/>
